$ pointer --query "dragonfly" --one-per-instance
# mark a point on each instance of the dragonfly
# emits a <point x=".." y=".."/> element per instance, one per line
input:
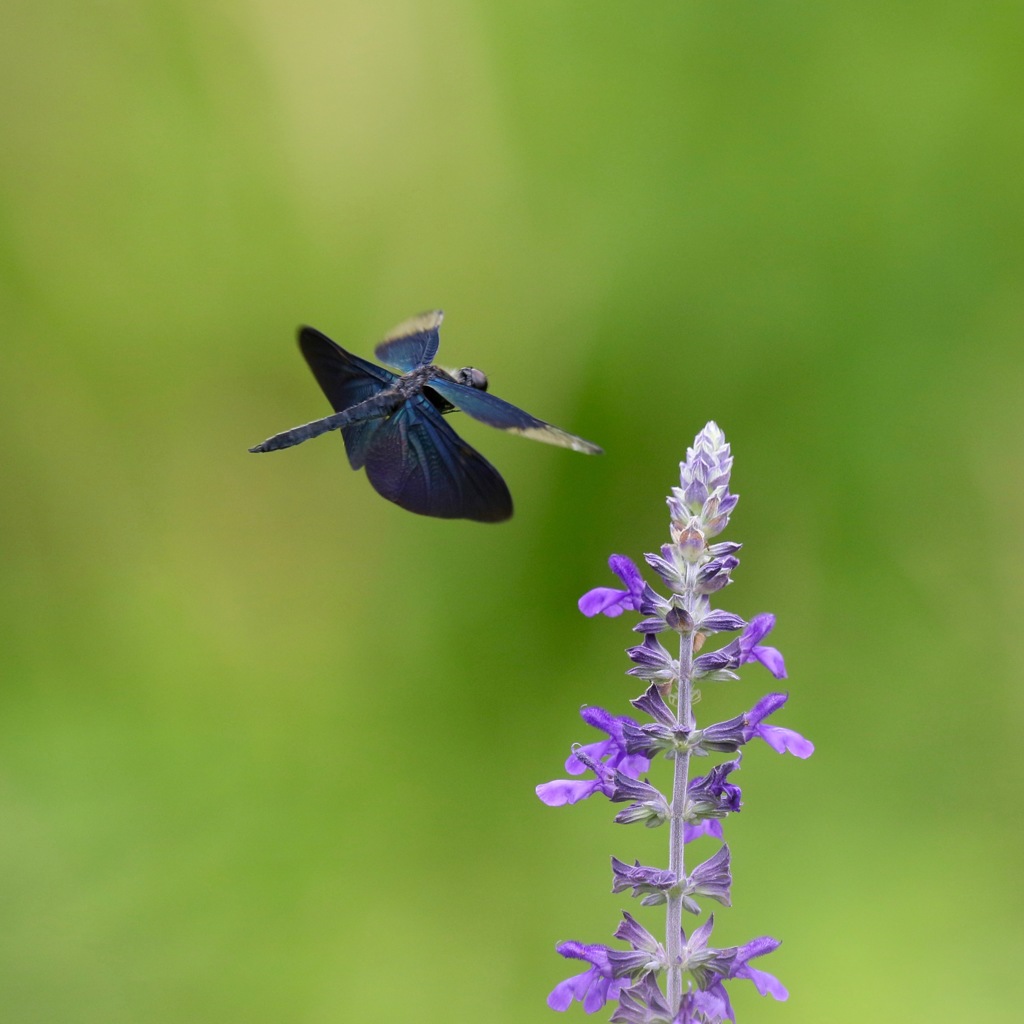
<point x="394" y="427"/>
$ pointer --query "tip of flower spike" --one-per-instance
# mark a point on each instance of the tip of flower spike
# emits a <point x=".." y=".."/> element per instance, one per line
<point x="701" y="504"/>
<point x="711" y="437"/>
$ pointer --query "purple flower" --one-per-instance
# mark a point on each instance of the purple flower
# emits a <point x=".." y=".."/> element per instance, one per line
<point x="765" y="983"/>
<point x="611" y="602"/>
<point x="779" y="739"/>
<point x="710" y="796"/>
<point x="721" y="664"/>
<point x="731" y="735"/>
<point x="705" y="962"/>
<point x="611" y="753"/>
<point x="646" y="956"/>
<point x="654" y="738"/>
<point x="692" y="569"/>
<point x="646" y="804"/>
<point x="644" y="1003"/>
<point x="651" y="883"/>
<point x="750" y="645"/>
<point x="594" y="987"/>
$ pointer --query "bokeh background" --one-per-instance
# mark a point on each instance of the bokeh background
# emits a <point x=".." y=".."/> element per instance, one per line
<point x="268" y="743"/>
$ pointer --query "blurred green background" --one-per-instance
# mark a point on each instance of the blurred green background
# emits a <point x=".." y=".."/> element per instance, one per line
<point x="267" y="742"/>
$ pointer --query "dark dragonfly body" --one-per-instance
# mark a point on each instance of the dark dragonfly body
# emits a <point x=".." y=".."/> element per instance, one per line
<point x="392" y="424"/>
<point x="378" y="406"/>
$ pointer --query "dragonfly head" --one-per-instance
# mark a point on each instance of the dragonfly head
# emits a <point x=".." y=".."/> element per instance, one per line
<point x="472" y="378"/>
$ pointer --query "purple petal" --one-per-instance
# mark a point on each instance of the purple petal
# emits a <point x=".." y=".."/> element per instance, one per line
<point x="601" y="991"/>
<point x="626" y="570"/>
<point x="785" y="741"/>
<point x="594" y="987"/>
<point x="772" y="660"/>
<point x="562" y="995"/>
<point x="767" y="705"/>
<point x="634" y="765"/>
<point x="598" y="718"/>
<point x="561" y="792"/>
<point x="761" y="946"/>
<point x="709" y="827"/>
<point x="757" y="629"/>
<point x="765" y="983"/>
<point x="590" y="988"/>
<point x="604" y="600"/>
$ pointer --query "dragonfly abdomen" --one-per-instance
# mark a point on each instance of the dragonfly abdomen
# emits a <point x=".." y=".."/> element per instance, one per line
<point x="375" y="407"/>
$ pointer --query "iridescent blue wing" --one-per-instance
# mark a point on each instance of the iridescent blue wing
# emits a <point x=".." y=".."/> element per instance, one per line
<point x="412" y="343"/>
<point x="346" y="380"/>
<point x="417" y="461"/>
<point x="501" y="414"/>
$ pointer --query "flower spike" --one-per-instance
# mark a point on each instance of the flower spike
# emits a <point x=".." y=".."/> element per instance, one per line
<point x="681" y="979"/>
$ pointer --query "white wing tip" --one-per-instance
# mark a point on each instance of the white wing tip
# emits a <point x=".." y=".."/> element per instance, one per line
<point x="421" y="322"/>
<point x="562" y="438"/>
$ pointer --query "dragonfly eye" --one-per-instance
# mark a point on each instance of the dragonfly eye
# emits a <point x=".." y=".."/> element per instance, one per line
<point x="472" y="377"/>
